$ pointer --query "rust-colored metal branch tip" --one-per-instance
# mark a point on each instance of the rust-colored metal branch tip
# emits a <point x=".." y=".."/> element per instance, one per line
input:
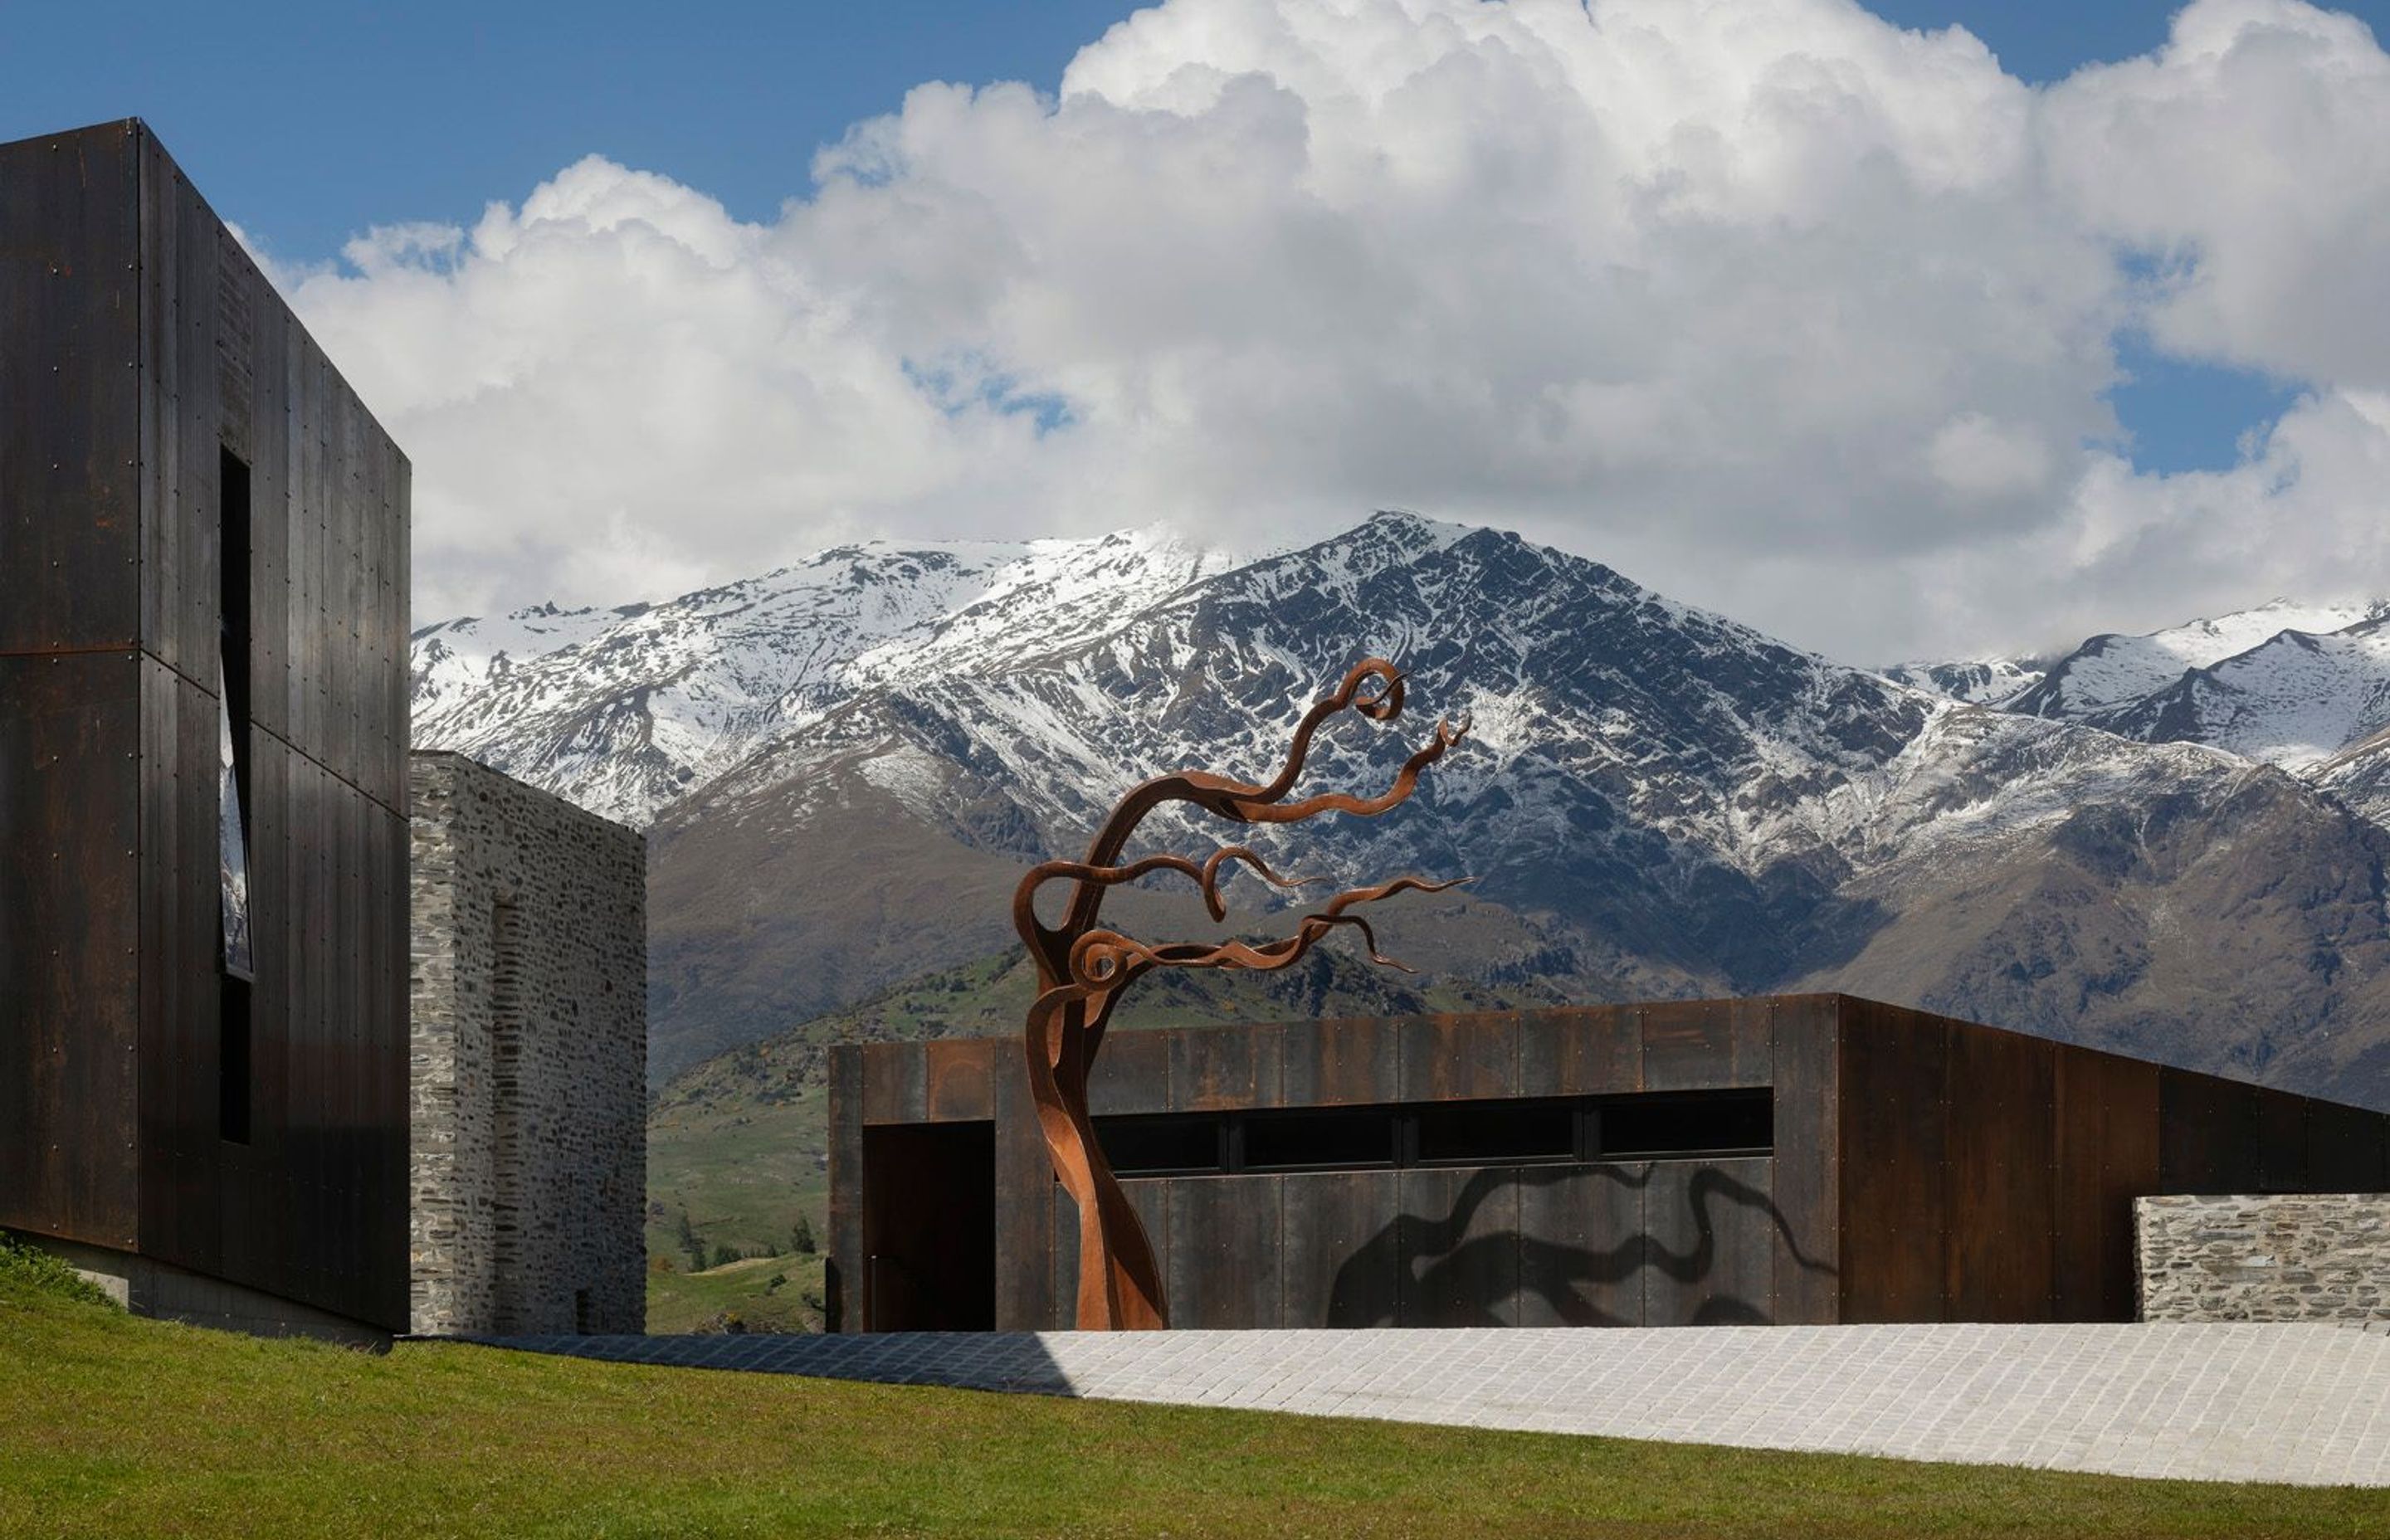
<point x="1082" y="967"/>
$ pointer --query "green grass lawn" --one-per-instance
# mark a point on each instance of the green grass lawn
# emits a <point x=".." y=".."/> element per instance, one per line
<point x="113" y="1426"/>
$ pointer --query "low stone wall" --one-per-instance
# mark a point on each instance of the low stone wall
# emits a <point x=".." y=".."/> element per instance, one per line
<point x="2285" y="1257"/>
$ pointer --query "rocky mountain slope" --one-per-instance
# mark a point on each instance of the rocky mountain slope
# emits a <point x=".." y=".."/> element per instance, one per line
<point x="846" y="765"/>
<point x="2306" y="687"/>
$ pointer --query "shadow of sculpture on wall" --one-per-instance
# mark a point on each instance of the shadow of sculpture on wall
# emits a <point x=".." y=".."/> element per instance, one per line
<point x="1083" y="967"/>
<point x="1443" y="1275"/>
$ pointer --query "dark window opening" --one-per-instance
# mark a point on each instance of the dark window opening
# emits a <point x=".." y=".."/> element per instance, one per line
<point x="1525" y="1131"/>
<point x="1168" y="1146"/>
<point x="236" y="953"/>
<point x="1320" y="1138"/>
<point x="581" y="1312"/>
<point x="1717" y="1123"/>
<point x="1497" y="1133"/>
<point x="232" y="558"/>
<point x="232" y="1059"/>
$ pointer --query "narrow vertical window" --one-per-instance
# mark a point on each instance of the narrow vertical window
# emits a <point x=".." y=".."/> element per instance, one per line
<point x="238" y="956"/>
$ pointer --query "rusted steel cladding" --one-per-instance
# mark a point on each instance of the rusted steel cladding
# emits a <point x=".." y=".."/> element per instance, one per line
<point x="162" y="413"/>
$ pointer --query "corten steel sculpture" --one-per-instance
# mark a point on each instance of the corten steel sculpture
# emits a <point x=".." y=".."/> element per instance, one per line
<point x="1083" y="967"/>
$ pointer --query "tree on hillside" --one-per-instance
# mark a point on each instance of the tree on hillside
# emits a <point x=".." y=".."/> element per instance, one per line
<point x="801" y="1239"/>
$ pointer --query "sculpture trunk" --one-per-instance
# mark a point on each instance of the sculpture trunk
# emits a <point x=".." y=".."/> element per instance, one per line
<point x="1083" y="968"/>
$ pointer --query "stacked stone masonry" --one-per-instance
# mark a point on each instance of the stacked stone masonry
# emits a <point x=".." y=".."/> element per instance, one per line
<point x="2309" y="1257"/>
<point x="529" y="1059"/>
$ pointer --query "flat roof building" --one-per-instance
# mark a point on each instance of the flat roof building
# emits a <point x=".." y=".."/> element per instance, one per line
<point x="1797" y="1159"/>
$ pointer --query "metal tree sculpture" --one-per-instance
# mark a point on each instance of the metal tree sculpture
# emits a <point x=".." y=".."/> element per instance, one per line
<point x="1083" y="967"/>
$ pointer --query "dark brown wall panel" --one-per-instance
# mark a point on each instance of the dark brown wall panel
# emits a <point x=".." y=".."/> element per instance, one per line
<point x="958" y="1073"/>
<point x="69" y="406"/>
<point x="1588" y="1050"/>
<point x="2346" y="1148"/>
<point x="1024" y="1204"/>
<point x="1214" y="1070"/>
<point x="2282" y="1142"/>
<point x="1340" y="1063"/>
<point x="1225" y="1251"/>
<point x="896" y="1087"/>
<point x="2207" y="1134"/>
<point x="1458" y="1241"/>
<point x="843" y="1287"/>
<point x="1342" y="1257"/>
<point x="1806" y="1045"/>
<point x="1583" y="1244"/>
<point x="1062" y="1281"/>
<point x="181" y="938"/>
<point x="1131" y="1073"/>
<point x="70" y="1005"/>
<point x="1711" y="1253"/>
<point x="1696" y="1044"/>
<point x="1459" y="1058"/>
<point x="2106" y="1155"/>
<point x="1998" y="1181"/>
<point x="1893" y="1151"/>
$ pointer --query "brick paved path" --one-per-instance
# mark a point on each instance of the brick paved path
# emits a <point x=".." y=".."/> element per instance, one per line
<point x="2307" y="1404"/>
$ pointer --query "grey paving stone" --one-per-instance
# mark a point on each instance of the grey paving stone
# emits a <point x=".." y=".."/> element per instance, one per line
<point x="2308" y="1404"/>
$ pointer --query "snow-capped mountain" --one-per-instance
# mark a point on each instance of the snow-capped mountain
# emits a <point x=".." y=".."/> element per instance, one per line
<point x="2306" y="687"/>
<point x="626" y="711"/>
<point x="848" y="763"/>
<point x="2110" y="671"/>
<point x="1972" y="680"/>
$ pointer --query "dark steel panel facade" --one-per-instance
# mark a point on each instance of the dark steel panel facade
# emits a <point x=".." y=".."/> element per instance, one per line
<point x="1459" y="1243"/>
<point x="1922" y="1169"/>
<point x="166" y="350"/>
<point x="1583" y="1245"/>
<point x="1894" y="1151"/>
<point x="70" y="1005"/>
<point x="1999" y="1177"/>
<point x="1805" y="1042"/>
<point x="1338" y="1064"/>
<point x="1225" y="1259"/>
<point x="1710" y="1252"/>
<point x="1340" y="1248"/>
<point x="69" y="398"/>
<point x="2106" y="1115"/>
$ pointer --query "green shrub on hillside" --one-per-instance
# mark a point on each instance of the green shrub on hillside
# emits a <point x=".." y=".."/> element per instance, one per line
<point x="26" y="1268"/>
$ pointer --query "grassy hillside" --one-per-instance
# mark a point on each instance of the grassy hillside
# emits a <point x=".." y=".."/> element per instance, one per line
<point x="767" y="1293"/>
<point x="740" y="1144"/>
<point x="111" y="1426"/>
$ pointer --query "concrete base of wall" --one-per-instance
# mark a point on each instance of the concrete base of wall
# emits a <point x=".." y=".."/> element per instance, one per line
<point x="2276" y="1257"/>
<point x="147" y="1287"/>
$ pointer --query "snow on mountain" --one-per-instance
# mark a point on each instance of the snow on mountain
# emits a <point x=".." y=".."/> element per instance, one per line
<point x="2293" y="700"/>
<point x="2110" y="670"/>
<point x="624" y="710"/>
<point x="1971" y="681"/>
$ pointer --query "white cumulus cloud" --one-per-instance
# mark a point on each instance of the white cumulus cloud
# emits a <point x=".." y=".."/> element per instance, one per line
<point x="1770" y="304"/>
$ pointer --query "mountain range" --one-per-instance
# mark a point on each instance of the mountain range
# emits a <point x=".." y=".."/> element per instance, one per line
<point x="2171" y="844"/>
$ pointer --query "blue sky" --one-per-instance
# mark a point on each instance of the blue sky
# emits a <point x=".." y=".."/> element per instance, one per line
<point x="1925" y="403"/>
<point x="309" y="123"/>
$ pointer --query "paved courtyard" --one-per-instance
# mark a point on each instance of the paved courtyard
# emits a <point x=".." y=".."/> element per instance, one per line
<point x="2307" y="1403"/>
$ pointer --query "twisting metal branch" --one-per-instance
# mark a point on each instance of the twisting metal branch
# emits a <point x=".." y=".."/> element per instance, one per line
<point x="1083" y="967"/>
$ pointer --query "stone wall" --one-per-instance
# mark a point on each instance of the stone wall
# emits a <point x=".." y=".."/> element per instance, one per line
<point x="2309" y="1257"/>
<point x="529" y="1077"/>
